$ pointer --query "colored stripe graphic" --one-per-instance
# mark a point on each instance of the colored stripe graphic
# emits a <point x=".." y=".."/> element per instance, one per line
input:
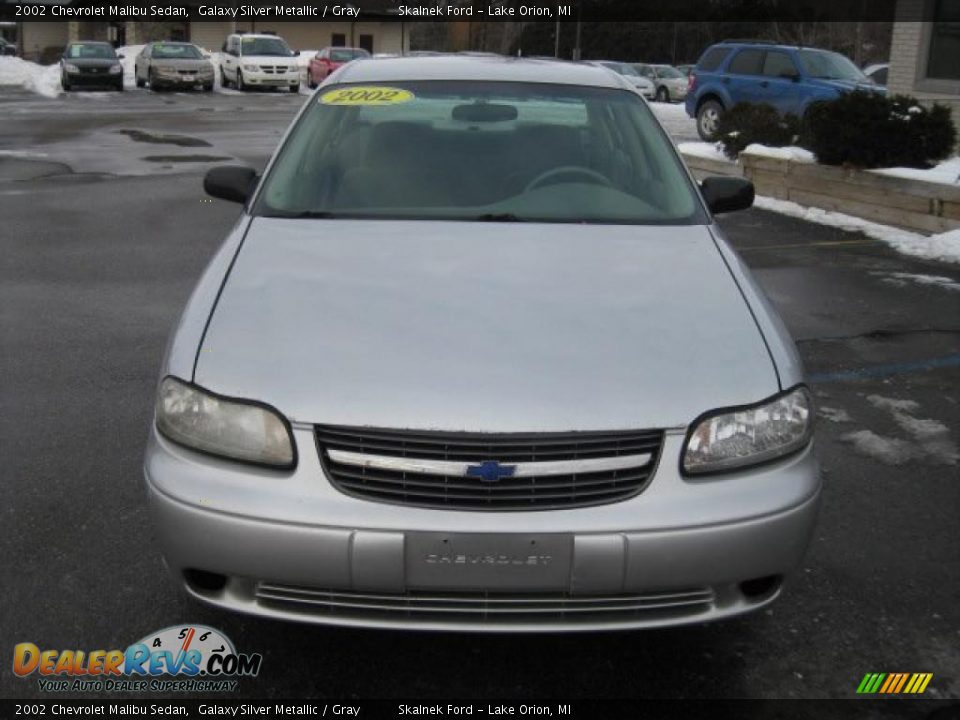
<point x="894" y="683"/>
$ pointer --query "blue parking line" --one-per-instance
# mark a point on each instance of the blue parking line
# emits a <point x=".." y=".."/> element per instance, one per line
<point x="881" y="371"/>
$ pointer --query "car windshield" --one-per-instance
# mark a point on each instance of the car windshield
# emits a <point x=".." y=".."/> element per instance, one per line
<point x="489" y="151"/>
<point x="265" y="46"/>
<point x="176" y="52"/>
<point x="347" y="54"/>
<point x="96" y="51"/>
<point x="624" y="69"/>
<point x="669" y="72"/>
<point x="829" y="66"/>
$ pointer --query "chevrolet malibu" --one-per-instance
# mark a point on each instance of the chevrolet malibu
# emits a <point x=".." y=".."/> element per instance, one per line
<point x="476" y="356"/>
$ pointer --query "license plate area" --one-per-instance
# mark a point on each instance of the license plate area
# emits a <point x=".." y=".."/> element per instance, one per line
<point x="488" y="561"/>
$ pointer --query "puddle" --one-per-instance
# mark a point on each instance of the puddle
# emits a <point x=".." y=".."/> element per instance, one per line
<point x="186" y="158"/>
<point x="180" y="140"/>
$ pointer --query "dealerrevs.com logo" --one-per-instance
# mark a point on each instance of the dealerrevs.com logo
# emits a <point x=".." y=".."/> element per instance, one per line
<point x="191" y="658"/>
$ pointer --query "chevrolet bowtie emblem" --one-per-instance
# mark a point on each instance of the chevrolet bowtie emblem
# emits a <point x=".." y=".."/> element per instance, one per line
<point x="490" y="471"/>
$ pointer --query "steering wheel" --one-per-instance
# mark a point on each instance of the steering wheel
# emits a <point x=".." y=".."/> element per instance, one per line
<point x="574" y="170"/>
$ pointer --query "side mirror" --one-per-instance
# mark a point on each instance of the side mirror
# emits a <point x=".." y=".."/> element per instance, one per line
<point x="231" y="182"/>
<point x="726" y="194"/>
<point x="296" y="53"/>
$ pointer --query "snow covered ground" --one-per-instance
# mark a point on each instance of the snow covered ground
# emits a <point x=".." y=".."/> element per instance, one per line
<point x="944" y="247"/>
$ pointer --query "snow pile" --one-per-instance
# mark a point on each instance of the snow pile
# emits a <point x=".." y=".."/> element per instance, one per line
<point x="900" y="279"/>
<point x="129" y="61"/>
<point x="707" y="151"/>
<point x="944" y="247"/>
<point x="792" y="153"/>
<point x="946" y="173"/>
<point x="41" y="79"/>
<point x="889" y="451"/>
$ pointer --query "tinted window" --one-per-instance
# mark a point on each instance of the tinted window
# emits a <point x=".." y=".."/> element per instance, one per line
<point x="880" y="76"/>
<point x="469" y="150"/>
<point x="347" y="54"/>
<point x="162" y="51"/>
<point x="712" y="59"/>
<point x="746" y="62"/>
<point x="777" y="64"/>
<point x="829" y="66"/>
<point x="98" y="51"/>
<point x="944" y="58"/>
<point x="265" y="46"/>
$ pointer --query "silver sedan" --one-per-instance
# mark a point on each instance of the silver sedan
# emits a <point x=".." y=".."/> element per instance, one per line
<point x="173" y="65"/>
<point x="476" y="356"/>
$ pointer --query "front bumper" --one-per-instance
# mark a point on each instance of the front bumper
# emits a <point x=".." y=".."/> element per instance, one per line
<point x="183" y="81"/>
<point x="262" y="79"/>
<point x="289" y="545"/>
<point x="98" y="79"/>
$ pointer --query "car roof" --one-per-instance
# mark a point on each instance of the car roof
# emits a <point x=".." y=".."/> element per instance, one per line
<point x="90" y="42"/>
<point x="466" y="67"/>
<point x="258" y="35"/>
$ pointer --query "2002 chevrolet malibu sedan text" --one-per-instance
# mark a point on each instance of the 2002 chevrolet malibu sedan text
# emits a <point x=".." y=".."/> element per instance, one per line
<point x="477" y="357"/>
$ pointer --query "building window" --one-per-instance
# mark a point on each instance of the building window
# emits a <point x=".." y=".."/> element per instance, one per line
<point x="366" y="42"/>
<point x="338" y="40"/>
<point x="943" y="61"/>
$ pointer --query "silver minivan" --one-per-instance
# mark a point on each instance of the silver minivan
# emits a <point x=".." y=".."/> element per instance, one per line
<point x="476" y="356"/>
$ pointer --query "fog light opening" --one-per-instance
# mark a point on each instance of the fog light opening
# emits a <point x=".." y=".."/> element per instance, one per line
<point x="760" y="587"/>
<point x="203" y="581"/>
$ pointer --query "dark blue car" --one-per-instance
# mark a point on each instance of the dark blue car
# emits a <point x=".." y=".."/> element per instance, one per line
<point x="788" y="77"/>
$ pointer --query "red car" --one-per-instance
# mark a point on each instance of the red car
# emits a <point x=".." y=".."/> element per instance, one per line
<point x="328" y="60"/>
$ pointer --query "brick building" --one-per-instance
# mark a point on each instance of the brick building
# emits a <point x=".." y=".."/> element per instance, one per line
<point x="925" y="52"/>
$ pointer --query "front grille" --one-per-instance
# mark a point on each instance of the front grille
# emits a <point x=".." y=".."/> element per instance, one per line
<point x="274" y="69"/>
<point x="455" y="607"/>
<point x="457" y="492"/>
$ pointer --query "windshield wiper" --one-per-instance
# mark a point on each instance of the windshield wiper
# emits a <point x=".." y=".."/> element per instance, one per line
<point x="499" y="217"/>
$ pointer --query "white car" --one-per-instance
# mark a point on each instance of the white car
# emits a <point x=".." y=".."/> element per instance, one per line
<point x="644" y="86"/>
<point x="251" y="61"/>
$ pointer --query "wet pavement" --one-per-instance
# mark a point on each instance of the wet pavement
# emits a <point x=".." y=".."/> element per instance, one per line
<point x="101" y="244"/>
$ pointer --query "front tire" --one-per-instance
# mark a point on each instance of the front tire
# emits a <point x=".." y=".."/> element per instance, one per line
<point x="295" y="88"/>
<point x="65" y="83"/>
<point x="141" y="83"/>
<point x="663" y="95"/>
<point x="223" y="79"/>
<point x="708" y="120"/>
<point x="240" y="86"/>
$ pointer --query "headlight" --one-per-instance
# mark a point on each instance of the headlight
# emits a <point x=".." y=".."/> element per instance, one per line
<point x="251" y="68"/>
<point x="71" y="68"/>
<point x="734" y="438"/>
<point x="116" y="69"/>
<point x="220" y="426"/>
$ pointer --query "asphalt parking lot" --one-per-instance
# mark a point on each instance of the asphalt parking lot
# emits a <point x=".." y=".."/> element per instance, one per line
<point x="103" y="230"/>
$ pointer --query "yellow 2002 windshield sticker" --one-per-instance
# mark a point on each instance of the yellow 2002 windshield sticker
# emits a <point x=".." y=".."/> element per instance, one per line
<point x="366" y="95"/>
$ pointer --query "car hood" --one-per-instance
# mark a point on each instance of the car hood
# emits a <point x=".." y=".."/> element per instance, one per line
<point x="483" y="326"/>
<point x="270" y="59"/>
<point x="93" y="62"/>
<point x="850" y="85"/>
<point x="183" y="64"/>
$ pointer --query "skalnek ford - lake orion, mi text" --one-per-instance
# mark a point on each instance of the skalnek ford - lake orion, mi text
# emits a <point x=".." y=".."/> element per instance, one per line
<point x="494" y="11"/>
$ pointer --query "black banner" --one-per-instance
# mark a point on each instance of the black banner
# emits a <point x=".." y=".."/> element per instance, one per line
<point x="499" y="710"/>
<point x="449" y="10"/>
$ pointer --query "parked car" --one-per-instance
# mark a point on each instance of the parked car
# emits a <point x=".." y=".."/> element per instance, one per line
<point x="788" y="77"/>
<point x="686" y="69"/>
<point x="670" y="83"/>
<point x="330" y="59"/>
<point x="251" y="61"/>
<point x="91" y="64"/>
<point x="644" y="85"/>
<point x="877" y="73"/>
<point x="477" y="356"/>
<point x="169" y="65"/>
<point x="7" y="47"/>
